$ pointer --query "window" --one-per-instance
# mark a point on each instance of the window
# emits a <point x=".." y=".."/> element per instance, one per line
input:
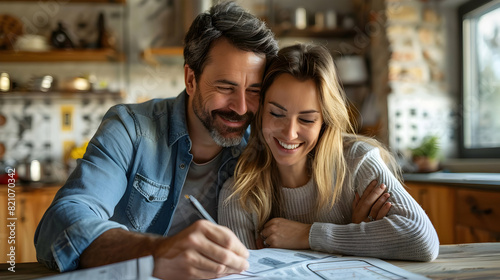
<point x="480" y="78"/>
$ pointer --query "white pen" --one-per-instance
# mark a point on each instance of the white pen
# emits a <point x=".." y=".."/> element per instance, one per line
<point x="200" y="208"/>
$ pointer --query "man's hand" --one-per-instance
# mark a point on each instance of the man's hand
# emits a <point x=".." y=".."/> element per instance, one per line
<point x="283" y="233"/>
<point x="372" y="204"/>
<point x="203" y="250"/>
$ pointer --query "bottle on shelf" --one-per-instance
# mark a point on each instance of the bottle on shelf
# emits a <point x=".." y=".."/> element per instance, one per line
<point x="60" y="38"/>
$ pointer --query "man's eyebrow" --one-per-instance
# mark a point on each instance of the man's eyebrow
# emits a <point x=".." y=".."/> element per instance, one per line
<point x="256" y="85"/>
<point x="224" y="81"/>
<point x="284" y="109"/>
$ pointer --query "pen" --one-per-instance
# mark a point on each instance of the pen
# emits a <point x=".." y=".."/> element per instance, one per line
<point x="200" y="208"/>
<point x="207" y="216"/>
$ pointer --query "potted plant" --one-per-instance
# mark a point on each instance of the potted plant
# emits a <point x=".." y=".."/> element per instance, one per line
<point x="426" y="155"/>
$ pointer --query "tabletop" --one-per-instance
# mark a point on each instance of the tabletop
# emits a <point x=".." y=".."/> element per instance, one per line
<point x="463" y="261"/>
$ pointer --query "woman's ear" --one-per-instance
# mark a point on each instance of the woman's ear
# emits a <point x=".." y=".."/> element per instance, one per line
<point x="189" y="80"/>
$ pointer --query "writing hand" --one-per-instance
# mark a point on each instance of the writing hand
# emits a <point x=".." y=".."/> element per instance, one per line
<point x="372" y="203"/>
<point x="203" y="250"/>
<point x="283" y="233"/>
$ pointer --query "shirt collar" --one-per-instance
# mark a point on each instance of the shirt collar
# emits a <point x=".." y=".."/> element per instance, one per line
<point x="178" y="121"/>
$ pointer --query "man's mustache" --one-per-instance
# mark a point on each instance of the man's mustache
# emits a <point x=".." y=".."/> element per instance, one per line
<point x="232" y="115"/>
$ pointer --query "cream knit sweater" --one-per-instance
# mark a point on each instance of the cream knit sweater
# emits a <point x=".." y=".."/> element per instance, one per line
<point x="406" y="233"/>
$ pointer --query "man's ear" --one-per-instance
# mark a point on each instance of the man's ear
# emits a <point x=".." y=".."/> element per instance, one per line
<point x="189" y="80"/>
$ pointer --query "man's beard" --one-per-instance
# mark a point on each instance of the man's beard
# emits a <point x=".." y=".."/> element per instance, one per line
<point x="217" y="130"/>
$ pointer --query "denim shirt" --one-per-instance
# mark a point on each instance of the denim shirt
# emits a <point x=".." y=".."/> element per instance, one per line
<point x="130" y="177"/>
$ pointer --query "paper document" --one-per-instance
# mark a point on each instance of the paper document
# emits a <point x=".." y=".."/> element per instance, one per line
<point x="264" y="264"/>
<point x="136" y="269"/>
<point x="291" y="264"/>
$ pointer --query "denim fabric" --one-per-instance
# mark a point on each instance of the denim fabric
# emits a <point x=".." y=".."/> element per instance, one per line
<point x="130" y="177"/>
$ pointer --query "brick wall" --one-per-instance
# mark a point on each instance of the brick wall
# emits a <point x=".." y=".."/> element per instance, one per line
<point x="408" y="59"/>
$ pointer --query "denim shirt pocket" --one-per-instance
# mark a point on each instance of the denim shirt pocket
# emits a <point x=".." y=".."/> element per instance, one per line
<point x="145" y="202"/>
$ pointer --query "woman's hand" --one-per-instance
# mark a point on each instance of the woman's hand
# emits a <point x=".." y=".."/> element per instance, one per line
<point x="283" y="233"/>
<point x="372" y="205"/>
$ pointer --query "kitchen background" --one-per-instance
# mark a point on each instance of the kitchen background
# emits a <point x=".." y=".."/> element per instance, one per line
<point x="397" y="60"/>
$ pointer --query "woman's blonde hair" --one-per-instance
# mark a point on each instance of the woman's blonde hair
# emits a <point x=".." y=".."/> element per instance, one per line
<point x="257" y="181"/>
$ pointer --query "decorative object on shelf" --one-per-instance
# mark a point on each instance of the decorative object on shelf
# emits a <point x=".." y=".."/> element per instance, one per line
<point x="78" y="152"/>
<point x="75" y="153"/>
<point x="10" y="29"/>
<point x="351" y="69"/>
<point x="104" y="38"/>
<point x="348" y="22"/>
<point x="31" y="43"/>
<point x="426" y="155"/>
<point x="29" y="170"/>
<point x="300" y="18"/>
<point x="85" y="32"/>
<point x="77" y="84"/>
<point x="42" y="83"/>
<point x="5" y="84"/>
<point x="319" y="21"/>
<point x="331" y="19"/>
<point x="60" y="38"/>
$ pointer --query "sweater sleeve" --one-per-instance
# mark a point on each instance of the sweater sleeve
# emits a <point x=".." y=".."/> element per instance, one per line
<point x="233" y="216"/>
<point x="406" y="233"/>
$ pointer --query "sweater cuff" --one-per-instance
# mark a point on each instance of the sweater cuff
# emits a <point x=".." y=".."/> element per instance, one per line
<point x="317" y="237"/>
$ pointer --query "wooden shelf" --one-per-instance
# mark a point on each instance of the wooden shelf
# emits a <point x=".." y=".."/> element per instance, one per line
<point x="71" y="1"/>
<point x="60" y="94"/>
<point x="149" y="55"/>
<point x="105" y="55"/>
<point x="171" y="51"/>
<point x="315" y="33"/>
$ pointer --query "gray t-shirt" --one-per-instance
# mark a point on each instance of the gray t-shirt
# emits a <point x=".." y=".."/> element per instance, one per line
<point x="201" y="183"/>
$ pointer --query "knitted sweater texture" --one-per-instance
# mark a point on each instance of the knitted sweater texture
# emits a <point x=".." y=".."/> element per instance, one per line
<point x="406" y="233"/>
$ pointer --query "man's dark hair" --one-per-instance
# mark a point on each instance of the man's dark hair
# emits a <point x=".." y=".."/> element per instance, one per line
<point x="228" y="20"/>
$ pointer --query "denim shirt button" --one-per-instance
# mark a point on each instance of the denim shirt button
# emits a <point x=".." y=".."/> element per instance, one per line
<point x="151" y="198"/>
<point x="182" y="166"/>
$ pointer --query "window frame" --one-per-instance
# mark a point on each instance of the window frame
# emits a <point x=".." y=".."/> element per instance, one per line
<point x="465" y="152"/>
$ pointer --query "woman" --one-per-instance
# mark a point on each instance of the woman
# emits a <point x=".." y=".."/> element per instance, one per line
<point x="295" y="183"/>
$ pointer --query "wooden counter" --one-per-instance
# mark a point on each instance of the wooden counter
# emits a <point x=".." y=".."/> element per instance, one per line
<point x="463" y="207"/>
<point x="465" y="261"/>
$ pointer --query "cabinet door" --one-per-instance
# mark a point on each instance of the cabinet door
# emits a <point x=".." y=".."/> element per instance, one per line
<point x="439" y="204"/>
<point x="5" y="232"/>
<point x="30" y="207"/>
<point x="477" y="216"/>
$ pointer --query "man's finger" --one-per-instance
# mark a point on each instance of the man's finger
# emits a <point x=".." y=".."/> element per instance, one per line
<point x="188" y="264"/>
<point x="232" y="262"/>
<point x="225" y="248"/>
<point x="224" y="237"/>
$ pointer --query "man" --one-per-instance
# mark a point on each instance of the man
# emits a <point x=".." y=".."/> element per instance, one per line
<point x="145" y="157"/>
<point x="125" y="198"/>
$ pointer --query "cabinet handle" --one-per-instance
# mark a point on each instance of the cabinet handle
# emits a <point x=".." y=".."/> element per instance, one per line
<point x="477" y="211"/>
